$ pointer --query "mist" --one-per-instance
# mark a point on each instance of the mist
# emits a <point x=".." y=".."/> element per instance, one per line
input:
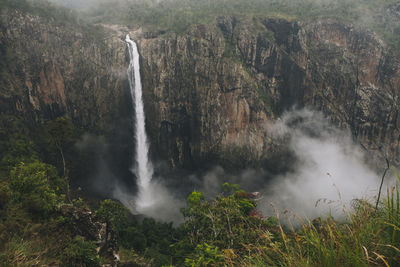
<point x="77" y="4"/>
<point x="329" y="173"/>
<point x="164" y="207"/>
<point x="102" y="180"/>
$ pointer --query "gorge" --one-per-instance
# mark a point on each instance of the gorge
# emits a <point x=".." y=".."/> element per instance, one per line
<point x="283" y="98"/>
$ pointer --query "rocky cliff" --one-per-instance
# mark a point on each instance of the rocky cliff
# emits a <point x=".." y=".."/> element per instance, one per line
<point x="209" y="93"/>
<point x="52" y="68"/>
<point x="56" y="66"/>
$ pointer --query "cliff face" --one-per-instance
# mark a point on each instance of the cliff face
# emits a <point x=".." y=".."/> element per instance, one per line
<point x="210" y="94"/>
<point x="53" y="68"/>
<point x="201" y="103"/>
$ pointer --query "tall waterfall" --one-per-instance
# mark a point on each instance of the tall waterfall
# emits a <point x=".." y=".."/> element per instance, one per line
<point x="142" y="166"/>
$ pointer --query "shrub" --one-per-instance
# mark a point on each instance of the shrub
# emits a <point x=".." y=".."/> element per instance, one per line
<point x="112" y="212"/>
<point x="226" y="222"/>
<point x="81" y="253"/>
<point x="4" y="194"/>
<point x="37" y="187"/>
<point x="18" y="149"/>
<point x="205" y="255"/>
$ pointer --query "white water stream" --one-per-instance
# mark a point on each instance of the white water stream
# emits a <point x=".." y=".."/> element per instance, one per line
<point x="142" y="166"/>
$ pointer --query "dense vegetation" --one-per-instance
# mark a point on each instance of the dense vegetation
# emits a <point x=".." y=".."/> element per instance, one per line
<point x="180" y="15"/>
<point x="42" y="8"/>
<point x="225" y="231"/>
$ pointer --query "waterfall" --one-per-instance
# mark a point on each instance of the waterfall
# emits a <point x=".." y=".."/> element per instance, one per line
<point x="153" y="198"/>
<point x="142" y="167"/>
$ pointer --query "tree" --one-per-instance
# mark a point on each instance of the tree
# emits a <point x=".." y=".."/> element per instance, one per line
<point x="114" y="214"/>
<point x="227" y="223"/>
<point x="81" y="253"/>
<point x="61" y="131"/>
<point x="205" y="255"/>
<point x="18" y="149"/>
<point x="36" y="186"/>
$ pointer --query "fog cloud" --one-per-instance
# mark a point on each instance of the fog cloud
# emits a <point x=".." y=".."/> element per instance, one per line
<point x="164" y="205"/>
<point x="77" y="4"/>
<point x="327" y="171"/>
<point x="330" y="171"/>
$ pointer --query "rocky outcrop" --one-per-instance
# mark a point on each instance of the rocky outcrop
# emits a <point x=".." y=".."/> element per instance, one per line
<point x="84" y="223"/>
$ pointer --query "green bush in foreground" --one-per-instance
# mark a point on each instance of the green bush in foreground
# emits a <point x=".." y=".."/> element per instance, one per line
<point x="229" y="231"/>
<point x="205" y="255"/>
<point x="226" y="232"/>
<point x="81" y="253"/>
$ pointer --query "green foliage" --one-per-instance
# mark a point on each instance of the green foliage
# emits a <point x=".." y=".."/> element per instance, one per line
<point x="17" y="4"/>
<point x="4" y="194"/>
<point x="195" y="198"/>
<point x="80" y="203"/>
<point x="112" y="212"/>
<point x="132" y="237"/>
<point x="246" y="205"/>
<point x="205" y="255"/>
<point x="152" y="239"/>
<point x="60" y="130"/>
<point x="19" y="149"/>
<point x="229" y="188"/>
<point x="225" y="231"/>
<point x="232" y="52"/>
<point x="225" y="222"/>
<point x="19" y="252"/>
<point x="129" y="256"/>
<point x="266" y="99"/>
<point x="37" y="187"/>
<point x="81" y="253"/>
<point x="180" y="15"/>
<point x="370" y="238"/>
<point x="42" y="8"/>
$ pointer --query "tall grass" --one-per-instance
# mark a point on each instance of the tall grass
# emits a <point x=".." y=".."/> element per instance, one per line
<point x="19" y="252"/>
<point x="370" y="238"/>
